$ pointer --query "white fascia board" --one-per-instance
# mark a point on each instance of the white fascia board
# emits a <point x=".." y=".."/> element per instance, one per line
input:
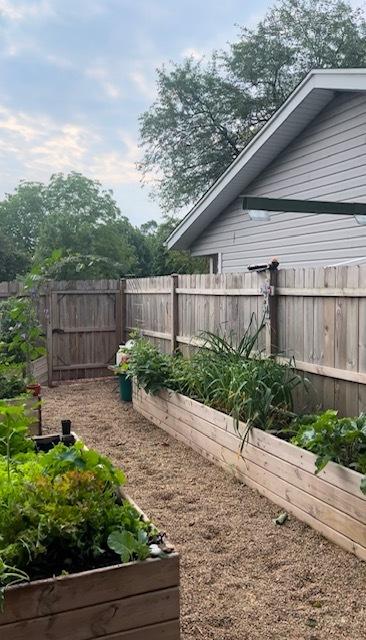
<point x="226" y="186"/>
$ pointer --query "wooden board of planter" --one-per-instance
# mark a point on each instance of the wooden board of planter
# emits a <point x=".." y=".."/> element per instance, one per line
<point x="330" y="502"/>
<point x="39" y="370"/>
<point x="133" y="601"/>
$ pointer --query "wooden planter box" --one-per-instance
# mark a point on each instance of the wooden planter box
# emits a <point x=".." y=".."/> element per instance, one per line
<point x="330" y="502"/>
<point x="134" y="601"/>
<point x="39" y="370"/>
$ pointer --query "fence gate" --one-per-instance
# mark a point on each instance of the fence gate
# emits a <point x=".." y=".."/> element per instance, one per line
<point x="82" y="333"/>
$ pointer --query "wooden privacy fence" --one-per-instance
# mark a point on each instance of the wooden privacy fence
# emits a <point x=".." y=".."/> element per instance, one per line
<point x="316" y="315"/>
<point x="81" y="322"/>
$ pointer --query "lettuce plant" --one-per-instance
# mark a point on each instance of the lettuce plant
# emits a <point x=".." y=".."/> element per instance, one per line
<point x="61" y="511"/>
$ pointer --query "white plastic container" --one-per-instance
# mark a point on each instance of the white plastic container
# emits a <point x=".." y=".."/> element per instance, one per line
<point x="122" y="350"/>
<point x="119" y="354"/>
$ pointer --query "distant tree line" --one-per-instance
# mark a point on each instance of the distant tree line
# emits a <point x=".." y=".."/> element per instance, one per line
<point x="74" y="217"/>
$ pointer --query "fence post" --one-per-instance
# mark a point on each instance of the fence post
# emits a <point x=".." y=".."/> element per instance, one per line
<point x="121" y="312"/>
<point x="174" y="312"/>
<point x="49" y="334"/>
<point x="270" y="307"/>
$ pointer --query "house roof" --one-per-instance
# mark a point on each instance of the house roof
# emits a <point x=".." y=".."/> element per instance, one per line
<point x="301" y="107"/>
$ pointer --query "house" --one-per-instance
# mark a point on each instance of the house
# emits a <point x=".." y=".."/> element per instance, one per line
<point x="312" y="151"/>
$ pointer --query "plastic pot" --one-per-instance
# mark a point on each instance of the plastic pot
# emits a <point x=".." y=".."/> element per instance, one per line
<point x="34" y="389"/>
<point x="125" y="387"/>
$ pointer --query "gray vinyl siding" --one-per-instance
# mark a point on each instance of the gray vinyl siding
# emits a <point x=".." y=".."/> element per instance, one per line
<point x="327" y="161"/>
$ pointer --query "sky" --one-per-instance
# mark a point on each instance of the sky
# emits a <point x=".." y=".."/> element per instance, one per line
<point x="76" y="74"/>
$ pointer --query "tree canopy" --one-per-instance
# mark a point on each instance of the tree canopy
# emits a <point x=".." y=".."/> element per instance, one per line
<point x="207" y="111"/>
<point x="75" y="218"/>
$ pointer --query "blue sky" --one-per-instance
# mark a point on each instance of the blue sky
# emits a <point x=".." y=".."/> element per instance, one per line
<point x="75" y="75"/>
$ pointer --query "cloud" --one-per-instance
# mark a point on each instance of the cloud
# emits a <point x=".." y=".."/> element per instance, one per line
<point x="17" y="11"/>
<point x="39" y="146"/>
<point x="144" y="85"/>
<point x="118" y="167"/>
<point x="102" y="76"/>
<point x="192" y="52"/>
<point x="18" y="125"/>
<point x="64" y="150"/>
<point x="59" y="61"/>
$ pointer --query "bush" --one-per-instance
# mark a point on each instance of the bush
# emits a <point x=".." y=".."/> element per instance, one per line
<point x="151" y="368"/>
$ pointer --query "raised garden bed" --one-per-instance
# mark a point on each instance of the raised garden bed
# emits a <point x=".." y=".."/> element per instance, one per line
<point x="131" y="601"/>
<point x="39" y="370"/>
<point x="330" y="502"/>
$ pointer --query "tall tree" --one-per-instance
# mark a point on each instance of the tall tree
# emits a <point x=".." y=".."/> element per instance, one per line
<point x="164" y="261"/>
<point x="193" y="130"/>
<point x="205" y="113"/>
<point x="12" y="261"/>
<point x="22" y="214"/>
<point x="76" y="208"/>
<point x="74" y="218"/>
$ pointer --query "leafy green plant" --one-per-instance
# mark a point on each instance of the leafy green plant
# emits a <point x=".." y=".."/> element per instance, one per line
<point x="21" y="336"/>
<point x="149" y="367"/>
<point x="13" y="430"/>
<point x="128" y="546"/>
<point x="229" y="347"/>
<point x="12" y="382"/>
<point x="225" y="374"/>
<point x="61" y="511"/>
<point x="9" y="576"/>
<point x="342" y="440"/>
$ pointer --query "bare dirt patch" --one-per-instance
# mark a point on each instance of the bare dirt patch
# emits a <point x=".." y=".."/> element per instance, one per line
<point x="243" y="577"/>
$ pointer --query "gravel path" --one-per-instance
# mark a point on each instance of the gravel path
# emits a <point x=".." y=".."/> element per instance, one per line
<point x="243" y="577"/>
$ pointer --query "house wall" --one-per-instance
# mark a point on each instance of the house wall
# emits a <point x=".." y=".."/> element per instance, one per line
<point x="326" y="161"/>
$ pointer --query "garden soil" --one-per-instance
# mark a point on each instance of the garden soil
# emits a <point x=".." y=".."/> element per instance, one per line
<point x="243" y="577"/>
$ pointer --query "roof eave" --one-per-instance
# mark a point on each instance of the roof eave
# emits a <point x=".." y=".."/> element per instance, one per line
<point x="327" y="81"/>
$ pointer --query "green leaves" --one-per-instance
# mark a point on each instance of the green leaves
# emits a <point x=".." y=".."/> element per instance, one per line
<point x="61" y="459"/>
<point x="226" y="375"/>
<point x="12" y="383"/>
<point x="128" y="546"/>
<point x="9" y="576"/>
<point x="21" y="335"/>
<point x="14" y="430"/>
<point x="60" y="510"/>
<point x="151" y="368"/>
<point x="342" y="440"/>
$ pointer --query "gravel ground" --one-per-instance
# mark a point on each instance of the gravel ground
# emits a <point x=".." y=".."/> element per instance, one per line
<point x="243" y="577"/>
